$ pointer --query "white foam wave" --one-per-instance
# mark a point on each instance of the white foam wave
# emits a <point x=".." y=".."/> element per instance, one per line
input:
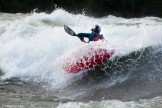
<point x="31" y="45"/>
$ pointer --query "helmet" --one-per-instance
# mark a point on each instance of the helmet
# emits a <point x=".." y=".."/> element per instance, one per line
<point x="96" y="29"/>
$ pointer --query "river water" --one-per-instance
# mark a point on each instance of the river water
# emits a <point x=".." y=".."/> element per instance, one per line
<point x="33" y="46"/>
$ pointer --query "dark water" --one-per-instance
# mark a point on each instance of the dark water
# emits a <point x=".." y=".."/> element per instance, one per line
<point x="124" y="8"/>
<point x="135" y="76"/>
<point x="17" y="94"/>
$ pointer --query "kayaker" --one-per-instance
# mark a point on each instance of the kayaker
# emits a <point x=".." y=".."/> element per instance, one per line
<point x="93" y="36"/>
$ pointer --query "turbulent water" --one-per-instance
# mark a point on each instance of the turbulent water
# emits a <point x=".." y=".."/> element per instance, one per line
<point x="33" y="46"/>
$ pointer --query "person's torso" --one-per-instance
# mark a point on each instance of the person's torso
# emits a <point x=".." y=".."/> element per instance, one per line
<point x="95" y="37"/>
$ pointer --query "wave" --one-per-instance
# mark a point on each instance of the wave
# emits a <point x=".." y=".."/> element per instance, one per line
<point x="32" y="45"/>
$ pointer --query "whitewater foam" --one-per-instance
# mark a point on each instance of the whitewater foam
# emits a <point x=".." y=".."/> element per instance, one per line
<point x="32" y="45"/>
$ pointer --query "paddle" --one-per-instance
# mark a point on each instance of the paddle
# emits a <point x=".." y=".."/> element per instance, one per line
<point x="69" y="30"/>
<point x="72" y="33"/>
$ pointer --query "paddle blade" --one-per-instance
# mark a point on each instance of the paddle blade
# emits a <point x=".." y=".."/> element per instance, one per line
<point x="69" y="30"/>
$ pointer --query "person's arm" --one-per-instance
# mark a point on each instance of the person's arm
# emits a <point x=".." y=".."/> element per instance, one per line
<point x="102" y="37"/>
<point x="82" y="35"/>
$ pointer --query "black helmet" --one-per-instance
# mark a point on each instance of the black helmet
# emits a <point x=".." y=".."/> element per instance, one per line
<point x="96" y="29"/>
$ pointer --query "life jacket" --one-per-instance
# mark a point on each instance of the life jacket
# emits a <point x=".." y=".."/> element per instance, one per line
<point x="97" y="38"/>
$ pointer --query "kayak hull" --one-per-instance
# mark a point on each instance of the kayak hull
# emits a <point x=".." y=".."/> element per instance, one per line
<point x="85" y="59"/>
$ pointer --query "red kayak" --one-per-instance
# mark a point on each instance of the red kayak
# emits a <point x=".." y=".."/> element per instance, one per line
<point x="86" y="58"/>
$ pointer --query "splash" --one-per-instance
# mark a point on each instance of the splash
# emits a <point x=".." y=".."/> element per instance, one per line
<point x="31" y="45"/>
